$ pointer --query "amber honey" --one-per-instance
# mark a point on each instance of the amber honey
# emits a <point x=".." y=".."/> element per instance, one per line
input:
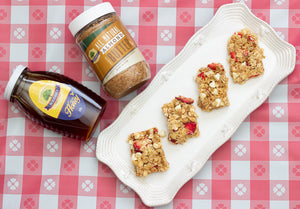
<point x="56" y="102"/>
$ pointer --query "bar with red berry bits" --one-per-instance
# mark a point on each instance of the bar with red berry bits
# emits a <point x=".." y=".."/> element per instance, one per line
<point x="213" y="86"/>
<point x="181" y="119"/>
<point x="147" y="154"/>
<point x="245" y="56"/>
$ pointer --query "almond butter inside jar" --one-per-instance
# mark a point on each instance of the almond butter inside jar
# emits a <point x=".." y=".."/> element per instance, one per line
<point x="110" y="50"/>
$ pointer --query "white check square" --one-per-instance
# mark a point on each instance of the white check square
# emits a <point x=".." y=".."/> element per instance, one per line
<point x="242" y="133"/>
<point x="19" y="15"/>
<point x="279" y="18"/>
<point x="18" y="52"/>
<point x="15" y="127"/>
<point x="278" y="131"/>
<point x="55" y="52"/>
<point x="279" y="204"/>
<point x="166" y="17"/>
<point x="84" y="202"/>
<point x="238" y="204"/>
<point x="88" y="166"/>
<point x="201" y="203"/>
<point x="51" y="165"/>
<point x="279" y="170"/>
<point x="48" y="201"/>
<point x="240" y="170"/>
<point x="130" y="15"/>
<point x="14" y="165"/>
<point x="56" y="14"/>
<point x="165" y="54"/>
<point x="203" y="16"/>
<point x="11" y="201"/>
<point x="121" y="202"/>
<point x="279" y="94"/>
<point x="205" y="172"/>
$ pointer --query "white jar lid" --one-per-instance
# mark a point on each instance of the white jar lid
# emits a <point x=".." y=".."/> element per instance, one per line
<point x="12" y="81"/>
<point x="90" y="15"/>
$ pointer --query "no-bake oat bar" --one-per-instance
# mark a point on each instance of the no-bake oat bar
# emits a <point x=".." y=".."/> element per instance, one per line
<point x="245" y="56"/>
<point x="147" y="154"/>
<point x="181" y="119"/>
<point x="213" y="86"/>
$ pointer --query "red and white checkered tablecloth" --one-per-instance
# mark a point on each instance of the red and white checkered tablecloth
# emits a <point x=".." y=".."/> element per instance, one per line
<point x="259" y="168"/>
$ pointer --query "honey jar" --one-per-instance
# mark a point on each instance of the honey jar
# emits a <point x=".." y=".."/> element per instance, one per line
<point x="56" y="102"/>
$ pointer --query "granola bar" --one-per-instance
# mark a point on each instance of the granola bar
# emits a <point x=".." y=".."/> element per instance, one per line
<point x="147" y="154"/>
<point x="182" y="119"/>
<point x="213" y="86"/>
<point x="245" y="56"/>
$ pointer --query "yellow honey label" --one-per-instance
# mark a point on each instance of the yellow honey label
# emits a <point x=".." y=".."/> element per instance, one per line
<point x="107" y="46"/>
<point x="56" y="99"/>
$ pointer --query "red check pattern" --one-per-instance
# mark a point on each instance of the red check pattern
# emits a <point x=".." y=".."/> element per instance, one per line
<point x="259" y="168"/>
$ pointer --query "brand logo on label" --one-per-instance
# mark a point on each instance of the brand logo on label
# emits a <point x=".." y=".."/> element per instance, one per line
<point x="94" y="55"/>
<point x="54" y="97"/>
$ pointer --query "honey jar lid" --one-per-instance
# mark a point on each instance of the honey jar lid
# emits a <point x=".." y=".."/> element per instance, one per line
<point x="90" y="15"/>
<point x="12" y="81"/>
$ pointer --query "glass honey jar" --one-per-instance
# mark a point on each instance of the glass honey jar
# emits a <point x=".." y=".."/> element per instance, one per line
<point x="56" y="102"/>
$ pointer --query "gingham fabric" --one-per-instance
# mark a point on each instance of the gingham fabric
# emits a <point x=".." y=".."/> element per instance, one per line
<point x="259" y="168"/>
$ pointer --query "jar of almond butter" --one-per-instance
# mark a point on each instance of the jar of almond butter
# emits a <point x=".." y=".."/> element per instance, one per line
<point x="110" y="50"/>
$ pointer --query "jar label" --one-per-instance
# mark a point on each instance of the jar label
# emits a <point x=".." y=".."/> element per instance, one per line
<point x="105" y="47"/>
<point x="132" y="58"/>
<point x="57" y="100"/>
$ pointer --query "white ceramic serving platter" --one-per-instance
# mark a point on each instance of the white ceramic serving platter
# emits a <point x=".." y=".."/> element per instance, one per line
<point x="177" y="78"/>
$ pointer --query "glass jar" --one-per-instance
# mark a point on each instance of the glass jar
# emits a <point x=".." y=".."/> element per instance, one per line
<point x="56" y="102"/>
<point x="110" y="50"/>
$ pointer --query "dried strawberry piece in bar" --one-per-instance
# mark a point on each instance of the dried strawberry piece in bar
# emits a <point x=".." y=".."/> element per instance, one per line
<point x="147" y="154"/>
<point x="190" y="127"/>
<point x="181" y="119"/>
<point x="185" y="99"/>
<point x="245" y="56"/>
<point x="213" y="86"/>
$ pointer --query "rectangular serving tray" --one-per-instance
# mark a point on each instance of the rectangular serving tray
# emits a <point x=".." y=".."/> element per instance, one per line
<point x="177" y="78"/>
